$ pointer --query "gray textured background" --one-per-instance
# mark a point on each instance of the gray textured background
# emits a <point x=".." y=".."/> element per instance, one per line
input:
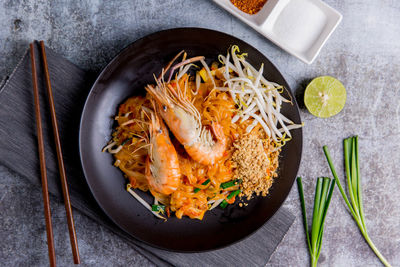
<point x="364" y="53"/>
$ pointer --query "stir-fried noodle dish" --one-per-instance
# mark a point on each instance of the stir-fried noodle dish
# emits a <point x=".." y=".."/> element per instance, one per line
<point x="203" y="135"/>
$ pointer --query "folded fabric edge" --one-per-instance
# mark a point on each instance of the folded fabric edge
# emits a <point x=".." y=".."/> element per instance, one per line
<point x="7" y="78"/>
<point x="283" y="237"/>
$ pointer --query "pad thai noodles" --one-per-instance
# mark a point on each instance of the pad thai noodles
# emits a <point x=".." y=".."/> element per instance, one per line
<point x="202" y="136"/>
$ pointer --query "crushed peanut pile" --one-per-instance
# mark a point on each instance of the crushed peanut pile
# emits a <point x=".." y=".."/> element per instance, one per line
<point x="255" y="163"/>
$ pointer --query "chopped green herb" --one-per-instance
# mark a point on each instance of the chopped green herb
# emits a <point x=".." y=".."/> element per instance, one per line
<point x="230" y="183"/>
<point x="224" y="203"/>
<point x="158" y="208"/>
<point x="126" y="141"/>
<point x="234" y="194"/>
<point x="204" y="183"/>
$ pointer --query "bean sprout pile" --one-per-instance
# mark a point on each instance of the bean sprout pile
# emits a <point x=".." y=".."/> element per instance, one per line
<point x="256" y="97"/>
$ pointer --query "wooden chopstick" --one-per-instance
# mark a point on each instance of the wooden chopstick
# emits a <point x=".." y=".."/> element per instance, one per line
<point x="63" y="177"/>
<point x="45" y="191"/>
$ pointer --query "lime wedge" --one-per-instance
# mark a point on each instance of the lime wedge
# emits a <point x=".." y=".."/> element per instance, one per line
<point x="325" y="96"/>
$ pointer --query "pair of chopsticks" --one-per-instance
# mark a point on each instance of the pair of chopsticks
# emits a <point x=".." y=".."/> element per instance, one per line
<point x="47" y="212"/>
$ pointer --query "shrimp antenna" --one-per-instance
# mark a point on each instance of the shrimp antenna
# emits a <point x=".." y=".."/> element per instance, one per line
<point x="155" y="120"/>
<point x="159" y="93"/>
<point x="164" y="70"/>
<point x="146" y="112"/>
<point x="140" y="147"/>
<point x="146" y="137"/>
<point x="183" y="59"/>
<point x="185" y="62"/>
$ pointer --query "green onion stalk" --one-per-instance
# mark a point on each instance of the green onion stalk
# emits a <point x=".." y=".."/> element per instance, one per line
<point x="205" y="183"/>
<point x="224" y="203"/>
<point x="355" y="204"/>
<point x="323" y="195"/>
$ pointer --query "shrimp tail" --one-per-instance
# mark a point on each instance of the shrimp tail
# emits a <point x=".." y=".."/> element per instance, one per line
<point x="218" y="131"/>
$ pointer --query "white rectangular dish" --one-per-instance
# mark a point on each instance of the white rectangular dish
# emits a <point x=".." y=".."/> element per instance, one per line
<point x="300" y="27"/>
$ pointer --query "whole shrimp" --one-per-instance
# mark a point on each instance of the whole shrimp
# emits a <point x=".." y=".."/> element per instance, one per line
<point x="184" y="120"/>
<point x="162" y="164"/>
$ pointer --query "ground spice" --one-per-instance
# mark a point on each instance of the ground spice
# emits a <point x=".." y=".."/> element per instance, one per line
<point x="249" y="6"/>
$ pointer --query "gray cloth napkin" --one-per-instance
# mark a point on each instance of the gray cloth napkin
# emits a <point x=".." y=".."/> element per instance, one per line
<point x="18" y="150"/>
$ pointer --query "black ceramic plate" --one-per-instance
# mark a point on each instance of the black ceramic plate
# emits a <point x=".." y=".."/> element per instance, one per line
<point x="126" y="75"/>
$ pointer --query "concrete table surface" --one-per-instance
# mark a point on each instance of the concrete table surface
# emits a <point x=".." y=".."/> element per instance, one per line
<point x="364" y="53"/>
